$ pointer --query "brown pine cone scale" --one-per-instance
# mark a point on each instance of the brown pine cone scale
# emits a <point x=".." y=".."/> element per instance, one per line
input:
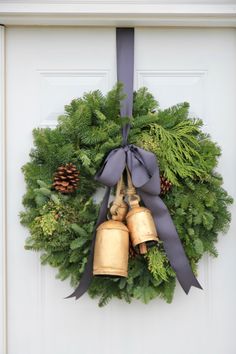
<point x="165" y="185"/>
<point x="66" y="179"/>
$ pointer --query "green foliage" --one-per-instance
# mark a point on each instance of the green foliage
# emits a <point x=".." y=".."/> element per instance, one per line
<point x="157" y="264"/>
<point x="61" y="227"/>
<point x="47" y="222"/>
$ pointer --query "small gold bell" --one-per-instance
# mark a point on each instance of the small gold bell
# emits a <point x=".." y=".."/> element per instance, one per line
<point x="142" y="228"/>
<point x="139" y="221"/>
<point x="111" y="249"/>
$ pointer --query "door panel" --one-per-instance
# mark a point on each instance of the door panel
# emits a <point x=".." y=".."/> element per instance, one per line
<point x="46" y="68"/>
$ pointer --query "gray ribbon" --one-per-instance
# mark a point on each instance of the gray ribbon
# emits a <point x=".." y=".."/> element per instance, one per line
<point x="144" y="171"/>
<point x="125" y="72"/>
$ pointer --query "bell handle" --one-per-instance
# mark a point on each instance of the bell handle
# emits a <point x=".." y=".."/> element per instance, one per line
<point x="133" y="197"/>
<point x="119" y="197"/>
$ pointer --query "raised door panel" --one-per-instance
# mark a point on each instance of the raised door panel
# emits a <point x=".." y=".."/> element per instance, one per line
<point x="198" y="66"/>
<point x="46" y="69"/>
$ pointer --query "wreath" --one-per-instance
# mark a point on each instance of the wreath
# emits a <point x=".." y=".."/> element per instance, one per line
<point x="60" y="203"/>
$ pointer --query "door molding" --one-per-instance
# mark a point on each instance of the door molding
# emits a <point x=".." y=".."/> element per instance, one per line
<point x="3" y="241"/>
<point x="116" y="13"/>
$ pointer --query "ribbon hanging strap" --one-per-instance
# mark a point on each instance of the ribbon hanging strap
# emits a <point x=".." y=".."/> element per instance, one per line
<point x="125" y="73"/>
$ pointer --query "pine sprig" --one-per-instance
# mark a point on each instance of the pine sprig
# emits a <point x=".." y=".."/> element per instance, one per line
<point x="177" y="148"/>
<point x="157" y="264"/>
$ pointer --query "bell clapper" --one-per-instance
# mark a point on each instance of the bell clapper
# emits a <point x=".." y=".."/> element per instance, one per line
<point x="142" y="248"/>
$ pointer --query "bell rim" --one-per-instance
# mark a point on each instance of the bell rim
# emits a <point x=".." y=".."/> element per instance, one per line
<point x="109" y="272"/>
<point x="114" y="224"/>
<point x="137" y="210"/>
<point x="148" y="239"/>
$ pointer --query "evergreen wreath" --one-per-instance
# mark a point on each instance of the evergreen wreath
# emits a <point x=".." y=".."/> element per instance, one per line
<point x="60" y="210"/>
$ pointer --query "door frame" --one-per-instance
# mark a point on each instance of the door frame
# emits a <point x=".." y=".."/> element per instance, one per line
<point x="116" y="13"/>
<point x="135" y="13"/>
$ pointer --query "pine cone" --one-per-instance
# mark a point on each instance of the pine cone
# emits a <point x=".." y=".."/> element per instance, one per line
<point x="165" y="185"/>
<point x="66" y="179"/>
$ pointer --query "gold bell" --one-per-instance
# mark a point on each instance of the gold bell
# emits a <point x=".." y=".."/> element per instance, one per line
<point x="142" y="228"/>
<point x="111" y="251"/>
<point x="140" y="222"/>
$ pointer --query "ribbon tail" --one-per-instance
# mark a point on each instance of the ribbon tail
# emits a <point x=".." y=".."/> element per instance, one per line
<point x="171" y="242"/>
<point x="187" y="279"/>
<point x="88" y="272"/>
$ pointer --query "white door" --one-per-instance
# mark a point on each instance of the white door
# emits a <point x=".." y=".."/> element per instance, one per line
<point x="46" y="68"/>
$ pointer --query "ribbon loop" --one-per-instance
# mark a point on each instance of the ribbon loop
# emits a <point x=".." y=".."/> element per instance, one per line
<point x="112" y="168"/>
